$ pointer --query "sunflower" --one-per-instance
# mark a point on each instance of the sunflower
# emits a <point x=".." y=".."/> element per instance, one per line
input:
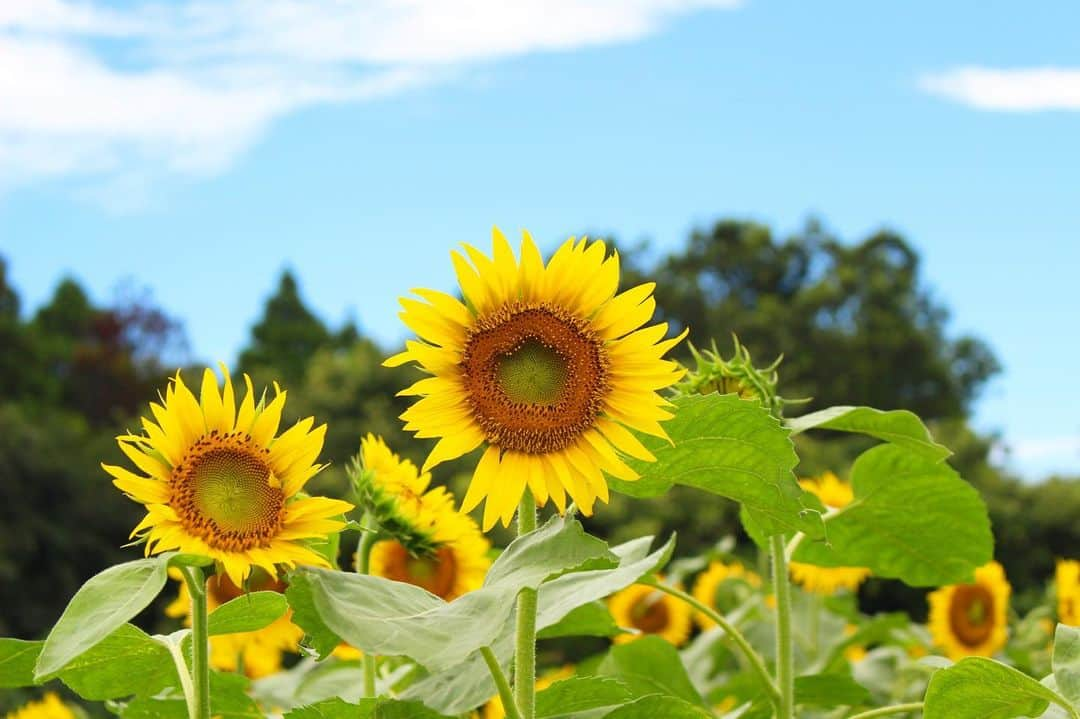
<point x="391" y="490"/>
<point x="48" y="707"/>
<point x="494" y="709"/>
<point x="650" y="611"/>
<point x="217" y="482"/>
<point x="1067" y="588"/>
<point x="723" y="587"/>
<point x="259" y="653"/>
<point x="545" y="366"/>
<point x="970" y="619"/>
<point x="835" y="495"/>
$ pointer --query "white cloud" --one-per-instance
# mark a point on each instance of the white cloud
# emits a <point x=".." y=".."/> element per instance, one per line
<point x="185" y="87"/>
<point x="1013" y="90"/>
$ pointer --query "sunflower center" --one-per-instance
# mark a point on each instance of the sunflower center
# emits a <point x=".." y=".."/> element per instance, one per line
<point x="536" y="377"/>
<point x="971" y="614"/>
<point x="436" y="572"/>
<point x="223" y="492"/>
<point x="532" y="374"/>
<point x="650" y="614"/>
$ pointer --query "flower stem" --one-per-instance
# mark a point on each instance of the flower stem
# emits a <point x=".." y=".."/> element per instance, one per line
<point x="886" y="711"/>
<point x="506" y="694"/>
<point x="525" y="655"/>
<point x="785" y="660"/>
<point x="734" y="634"/>
<point x="363" y="566"/>
<point x="200" y="643"/>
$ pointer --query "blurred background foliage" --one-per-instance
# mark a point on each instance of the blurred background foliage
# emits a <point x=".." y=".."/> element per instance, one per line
<point x="856" y="322"/>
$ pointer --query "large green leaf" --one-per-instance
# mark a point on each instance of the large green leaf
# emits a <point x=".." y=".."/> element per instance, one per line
<point x="381" y="616"/>
<point x="228" y="700"/>
<point x="1066" y="662"/>
<point x="17" y="659"/>
<point x="650" y="665"/>
<point x="731" y="447"/>
<point x="247" y="613"/>
<point x="588" y="620"/>
<point x="658" y="706"/>
<point x="897" y="426"/>
<point x="466" y="685"/>
<point x="578" y="694"/>
<point x="365" y="709"/>
<point x="107" y="601"/>
<point x="829" y="690"/>
<point x="978" y="688"/>
<point x="126" y="662"/>
<point x="912" y="519"/>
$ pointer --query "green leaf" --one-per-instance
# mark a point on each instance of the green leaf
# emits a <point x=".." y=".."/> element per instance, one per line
<point x="1066" y="662"/>
<point x="897" y="426"/>
<point x="978" y="688"/>
<point x="365" y="709"/>
<point x="247" y="613"/>
<point x="912" y="519"/>
<point x="659" y="707"/>
<point x="381" y="616"/>
<point x="107" y="601"/>
<point x="578" y="694"/>
<point x="17" y="658"/>
<point x="731" y="447"/>
<point x="329" y="709"/>
<point x="126" y="662"/>
<point x="466" y="685"/>
<point x="588" y="620"/>
<point x="650" y="665"/>
<point x="829" y="690"/>
<point x="228" y="700"/>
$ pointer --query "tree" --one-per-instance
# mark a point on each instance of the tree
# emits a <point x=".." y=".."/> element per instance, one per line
<point x="286" y="336"/>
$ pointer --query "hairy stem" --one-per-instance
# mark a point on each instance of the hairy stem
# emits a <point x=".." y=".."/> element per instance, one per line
<point x="200" y="643"/>
<point x="506" y="694"/>
<point x="525" y="654"/>
<point x="785" y="660"/>
<point x="363" y="566"/>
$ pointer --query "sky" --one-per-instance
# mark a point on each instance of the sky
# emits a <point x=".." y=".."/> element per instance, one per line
<point x="197" y="148"/>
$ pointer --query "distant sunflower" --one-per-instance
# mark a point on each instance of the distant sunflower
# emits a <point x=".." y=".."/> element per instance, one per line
<point x="723" y="587"/>
<point x="650" y="611"/>
<point x="545" y="366"/>
<point x="494" y="709"/>
<point x="970" y="619"/>
<point x="48" y="707"/>
<point x="220" y="484"/>
<point x="260" y="652"/>
<point x="391" y="490"/>
<point x="834" y="494"/>
<point x="1067" y="588"/>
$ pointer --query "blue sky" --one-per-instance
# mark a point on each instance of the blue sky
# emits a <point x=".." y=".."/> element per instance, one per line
<point x="197" y="149"/>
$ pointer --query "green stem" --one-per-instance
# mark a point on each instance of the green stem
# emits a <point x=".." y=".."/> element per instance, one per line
<point x="506" y="694"/>
<point x="886" y="711"/>
<point x="734" y="634"/>
<point x="200" y="643"/>
<point x="525" y="655"/>
<point x="363" y="566"/>
<point x="785" y="660"/>
<point x="176" y="649"/>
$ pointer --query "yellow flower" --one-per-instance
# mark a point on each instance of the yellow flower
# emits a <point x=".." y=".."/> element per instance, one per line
<point x="1067" y="581"/>
<point x="650" y="611"/>
<point x="494" y="709"/>
<point x="259" y="652"/>
<point x="722" y="587"/>
<point x="835" y="495"/>
<point x="48" y="707"/>
<point x="970" y="619"/>
<point x="392" y="491"/>
<point x="219" y="482"/>
<point x="545" y="367"/>
<point x="856" y="652"/>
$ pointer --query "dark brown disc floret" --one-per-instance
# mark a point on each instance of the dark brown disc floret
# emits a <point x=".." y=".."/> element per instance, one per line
<point x="971" y="614"/>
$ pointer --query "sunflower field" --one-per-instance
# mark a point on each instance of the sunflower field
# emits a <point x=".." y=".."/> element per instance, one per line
<point x="554" y="384"/>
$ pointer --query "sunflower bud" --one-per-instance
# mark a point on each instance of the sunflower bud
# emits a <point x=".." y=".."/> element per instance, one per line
<point x="737" y="375"/>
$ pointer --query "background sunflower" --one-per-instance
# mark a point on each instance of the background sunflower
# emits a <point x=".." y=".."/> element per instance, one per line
<point x="972" y="619"/>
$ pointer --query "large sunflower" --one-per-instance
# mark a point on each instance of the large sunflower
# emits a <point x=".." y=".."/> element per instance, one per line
<point x="219" y="483"/>
<point x="48" y="707"/>
<point x="723" y="587"/>
<point x="1067" y="589"/>
<point x="650" y="611"/>
<point x="970" y="619"/>
<point x="835" y="495"/>
<point x="545" y="366"/>
<point x="259" y="653"/>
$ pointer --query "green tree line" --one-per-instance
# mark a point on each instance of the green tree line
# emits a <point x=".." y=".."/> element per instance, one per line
<point x="856" y="320"/>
